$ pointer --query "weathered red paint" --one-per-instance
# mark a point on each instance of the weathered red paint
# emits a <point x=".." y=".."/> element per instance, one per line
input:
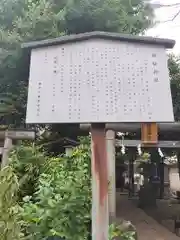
<point x="100" y="161"/>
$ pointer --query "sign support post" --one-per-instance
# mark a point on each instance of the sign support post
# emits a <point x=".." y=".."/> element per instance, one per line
<point x="100" y="213"/>
<point x="111" y="158"/>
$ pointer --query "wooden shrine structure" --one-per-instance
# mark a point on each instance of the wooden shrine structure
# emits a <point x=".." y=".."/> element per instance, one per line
<point x="168" y="139"/>
<point x="9" y="138"/>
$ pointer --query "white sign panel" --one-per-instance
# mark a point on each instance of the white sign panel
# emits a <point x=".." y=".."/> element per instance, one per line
<point x="99" y="81"/>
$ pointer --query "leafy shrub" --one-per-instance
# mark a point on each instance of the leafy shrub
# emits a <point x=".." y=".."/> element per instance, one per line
<point x="27" y="162"/>
<point x="10" y="226"/>
<point x="124" y="231"/>
<point x="61" y="205"/>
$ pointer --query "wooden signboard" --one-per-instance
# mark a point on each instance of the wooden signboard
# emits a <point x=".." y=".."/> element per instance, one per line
<point x="99" y="78"/>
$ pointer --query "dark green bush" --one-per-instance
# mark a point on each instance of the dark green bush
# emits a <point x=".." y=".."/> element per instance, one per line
<point x="10" y="226"/>
<point x="61" y="205"/>
<point x="27" y="162"/>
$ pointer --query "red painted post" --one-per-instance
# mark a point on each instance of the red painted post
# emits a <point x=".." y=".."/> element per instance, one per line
<point x="100" y="213"/>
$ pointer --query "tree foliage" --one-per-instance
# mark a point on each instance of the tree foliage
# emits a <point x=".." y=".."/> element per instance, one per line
<point x="131" y="16"/>
<point x="25" y="20"/>
<point x="174" y="69"/>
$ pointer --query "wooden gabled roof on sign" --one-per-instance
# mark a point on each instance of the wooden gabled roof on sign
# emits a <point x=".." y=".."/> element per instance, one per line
<point x="167" y="43"/>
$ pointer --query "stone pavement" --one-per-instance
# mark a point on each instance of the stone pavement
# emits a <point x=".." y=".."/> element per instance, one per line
<point x="147" y="228"/>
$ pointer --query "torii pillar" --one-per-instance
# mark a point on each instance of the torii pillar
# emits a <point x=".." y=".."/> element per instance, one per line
<point x="110" y="139"/>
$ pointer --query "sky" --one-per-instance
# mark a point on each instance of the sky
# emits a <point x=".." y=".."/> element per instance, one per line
<point x="167" y="28"/>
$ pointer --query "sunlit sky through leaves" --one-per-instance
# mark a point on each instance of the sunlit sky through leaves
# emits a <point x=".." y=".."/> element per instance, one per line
<point x="167" y="28"/>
